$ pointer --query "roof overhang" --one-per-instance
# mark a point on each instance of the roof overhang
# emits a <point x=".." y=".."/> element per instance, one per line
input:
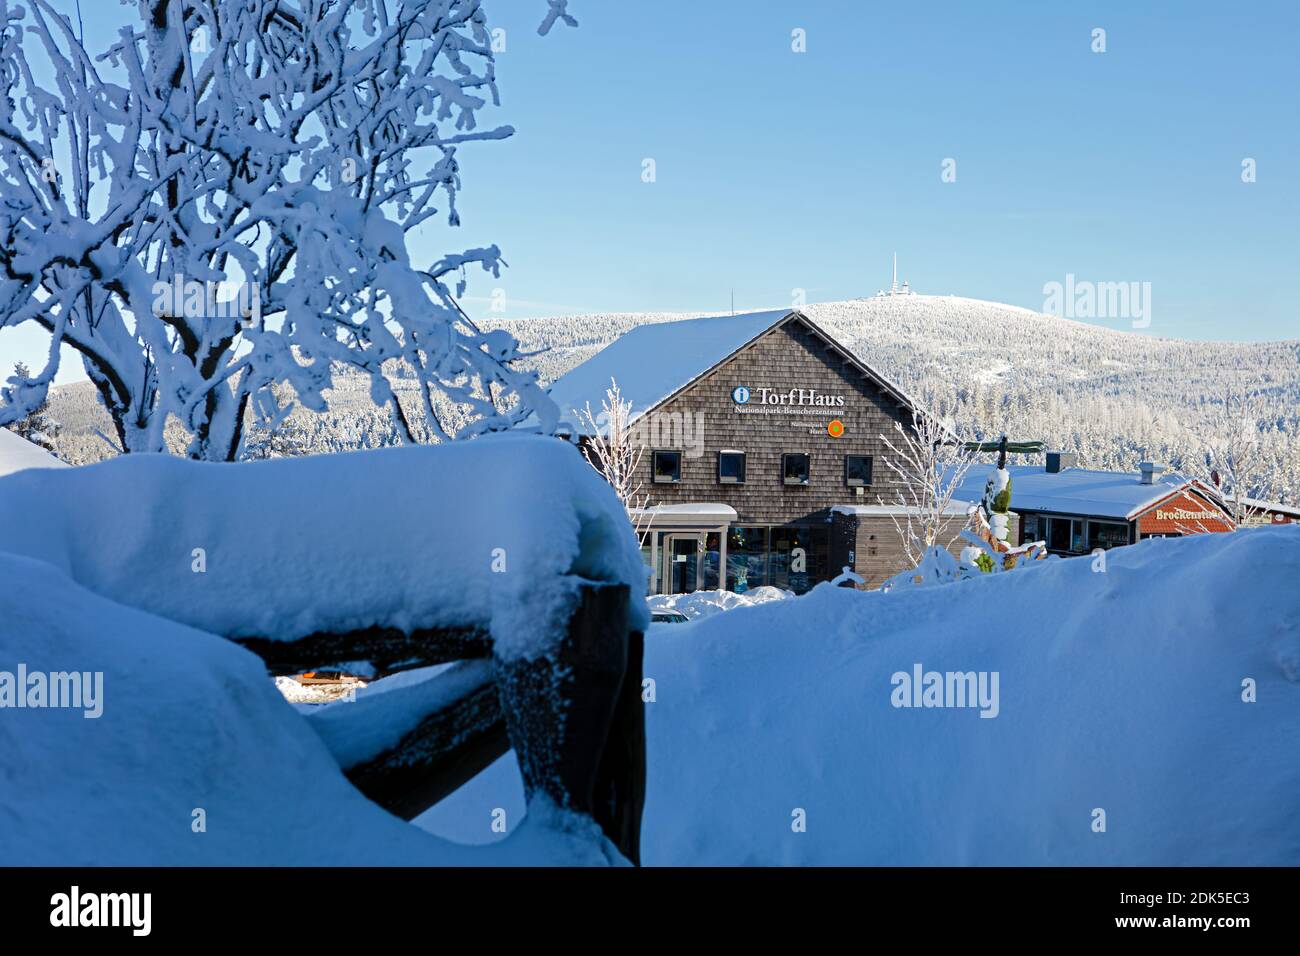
<point x="695" y="514"/>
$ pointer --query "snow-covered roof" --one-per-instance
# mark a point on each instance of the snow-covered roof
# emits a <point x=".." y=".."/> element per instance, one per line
<point x="1257" y="504"/>
<point x="691" y="510"/>
<point x="706" y="512"/>
<point x="1080" y="491"/>
<point x="652" y="362"/>
<point x="17" y="453"/>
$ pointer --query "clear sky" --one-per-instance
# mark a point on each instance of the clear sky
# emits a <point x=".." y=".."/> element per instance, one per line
<point x="778" y="170"/>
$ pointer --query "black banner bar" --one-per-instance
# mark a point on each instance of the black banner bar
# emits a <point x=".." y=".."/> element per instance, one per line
<point x="367" y="905"/>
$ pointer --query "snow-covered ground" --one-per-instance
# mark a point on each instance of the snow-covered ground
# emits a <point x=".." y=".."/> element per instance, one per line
<point x="17" y="454"/>
<point x="1160" y="695"/>
<point x="195" y="757"/>
<point x="299" y="692"/>
<point x="1119" y="691"/>
<point x="700" y="604"/>
<point x="493" y="532"/>
<point x="175" y="747"/>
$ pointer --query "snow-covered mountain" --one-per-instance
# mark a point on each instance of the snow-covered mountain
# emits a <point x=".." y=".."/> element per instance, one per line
<point x="969" y="342"/>
<point x="1112" y="395"/>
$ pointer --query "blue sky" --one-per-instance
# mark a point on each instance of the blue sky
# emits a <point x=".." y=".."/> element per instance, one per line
<point x="778" y="170"/>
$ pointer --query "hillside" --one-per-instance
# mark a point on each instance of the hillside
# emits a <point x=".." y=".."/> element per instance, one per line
<point x="1114" y="396"/>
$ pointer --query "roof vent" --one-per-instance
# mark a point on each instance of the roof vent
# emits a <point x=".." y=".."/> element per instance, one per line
<point x="1058" y="461"/>
<point x="1149" y="471"/>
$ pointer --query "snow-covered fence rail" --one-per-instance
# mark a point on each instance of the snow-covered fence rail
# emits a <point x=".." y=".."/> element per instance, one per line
<point x="507" y="551"/>
<point x="460" y="736"/>
<point x="387" y="648"/>
<point x="574" y="718"/>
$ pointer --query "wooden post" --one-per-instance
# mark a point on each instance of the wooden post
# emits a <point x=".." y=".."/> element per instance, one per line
<point x="621" y="779"/>
<point x="574" y="718"/>
<point x="561" y="711"/>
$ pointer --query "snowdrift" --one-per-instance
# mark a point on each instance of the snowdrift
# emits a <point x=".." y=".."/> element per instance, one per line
<point x="17" y="453"/>
<point x="124" y="573"/>
<point x="707" y="603"/>
<point x="491" y="533"/>
<point x="1120" y="691"/>
<point x="192" y="732"/>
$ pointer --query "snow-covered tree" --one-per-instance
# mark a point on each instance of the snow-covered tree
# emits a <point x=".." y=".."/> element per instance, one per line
<point x="1284" y="470"/>
<point x="220" y="198"/>
<point x="928" y="466"/>
<point x="37" y="426"/>
<point x="612" y="449"/>
<point x="1234" y="457"/>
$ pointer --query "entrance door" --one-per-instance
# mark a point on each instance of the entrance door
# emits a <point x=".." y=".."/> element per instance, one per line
<point x="682" y="564"/>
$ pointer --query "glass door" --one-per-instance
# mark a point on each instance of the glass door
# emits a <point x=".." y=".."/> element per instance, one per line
<point x="681" y="562"/>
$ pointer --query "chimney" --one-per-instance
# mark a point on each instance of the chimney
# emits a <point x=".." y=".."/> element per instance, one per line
<point x="1149" y="471"/>
<point x="1058" y="461"/>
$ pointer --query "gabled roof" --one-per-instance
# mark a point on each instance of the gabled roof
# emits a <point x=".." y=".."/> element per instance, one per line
<point x="1078" y="491"/>
<point x="18" y="453"/>
<point x="653" y="362"/>
<point x="1256" y="504"/>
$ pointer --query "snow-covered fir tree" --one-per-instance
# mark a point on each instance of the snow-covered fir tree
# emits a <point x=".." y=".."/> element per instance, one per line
<point x="37" y="425"/>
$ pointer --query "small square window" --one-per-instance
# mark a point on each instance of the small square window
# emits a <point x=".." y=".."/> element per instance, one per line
<point x="731" y="467"/>
<point x="857" y="470"/>
<point x="667" y="467"/>
<point x="794" y="469"/>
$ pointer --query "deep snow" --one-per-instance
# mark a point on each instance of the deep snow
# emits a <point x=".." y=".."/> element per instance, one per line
<point x="699" y="604"/>
<point x="1118" y="690"/>
<point x="190" y="722"/>
<point x="492" y="532"/>
<point x="17" y="454"/>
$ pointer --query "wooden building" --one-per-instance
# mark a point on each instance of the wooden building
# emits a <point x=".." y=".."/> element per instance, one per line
<point x="763" y="451"/>
<point x="1264" y="513"/>
<point x="1078" y="510"/>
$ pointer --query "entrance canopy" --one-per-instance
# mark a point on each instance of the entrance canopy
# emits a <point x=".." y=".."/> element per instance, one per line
<point x="694" y="515"/>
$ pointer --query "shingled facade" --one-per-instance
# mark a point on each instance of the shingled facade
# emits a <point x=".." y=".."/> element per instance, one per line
<point x="763" y="451"/>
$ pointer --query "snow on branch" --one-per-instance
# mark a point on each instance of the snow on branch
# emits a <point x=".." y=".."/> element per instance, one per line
<point x="613" y="450"/>
<point x="1234" y="458"/>
<point x="559" y="11"/>
<point x="219" y="199"/>
<point x="928" y="465"/>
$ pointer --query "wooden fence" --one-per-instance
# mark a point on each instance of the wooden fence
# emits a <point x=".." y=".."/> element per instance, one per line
<point x="575" y="719"/>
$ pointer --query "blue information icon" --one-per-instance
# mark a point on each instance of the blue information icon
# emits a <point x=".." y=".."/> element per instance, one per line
<point x="740" y="394"/>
